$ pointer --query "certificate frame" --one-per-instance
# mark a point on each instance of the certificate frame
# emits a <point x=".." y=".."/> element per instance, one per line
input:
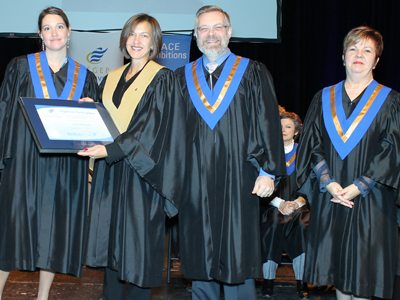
<point x="44" y="143"/>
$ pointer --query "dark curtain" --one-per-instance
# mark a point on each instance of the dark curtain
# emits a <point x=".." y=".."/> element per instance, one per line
<point x="309" y="56"/>
<point x="11" y="47"/>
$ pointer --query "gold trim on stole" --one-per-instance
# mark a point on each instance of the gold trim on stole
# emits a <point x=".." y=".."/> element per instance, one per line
<point x="75" y="82"/>
<point x="43" y="81"/>
<point x="288" y="163"/>
<point x="131" y="98"/>
<point x="349" y="132"/>
<point x="221" y="95"/>
<point x="41" y="76"/>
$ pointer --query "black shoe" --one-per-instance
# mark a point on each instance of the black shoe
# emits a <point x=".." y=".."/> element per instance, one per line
<point x="302" y="289"/>
<point x="189" y="287"/>
<point x="267" y="288"/>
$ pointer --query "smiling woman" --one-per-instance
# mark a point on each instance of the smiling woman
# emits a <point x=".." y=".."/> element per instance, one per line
<point x="43" y="197"/>
<point x="130" y="196"/>
<point x="139" y="45"/>
<point x="54" y="32"/>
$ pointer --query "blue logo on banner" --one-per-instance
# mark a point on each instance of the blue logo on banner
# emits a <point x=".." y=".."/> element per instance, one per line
<point x="175" y="51"/>
<point x="96" y="56"/>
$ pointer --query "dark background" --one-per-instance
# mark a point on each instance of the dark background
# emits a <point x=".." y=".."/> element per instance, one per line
<point x="309" y="55"/>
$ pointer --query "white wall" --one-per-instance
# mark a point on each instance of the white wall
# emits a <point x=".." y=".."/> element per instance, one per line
<point x="250" y="18"/>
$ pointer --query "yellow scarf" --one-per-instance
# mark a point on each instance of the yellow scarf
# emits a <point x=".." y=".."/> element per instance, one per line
<point x="123" y="114"/>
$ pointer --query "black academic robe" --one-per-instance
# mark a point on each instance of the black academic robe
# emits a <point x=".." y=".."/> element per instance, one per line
<point x="219" y="216"/>
<point x="43" y="197"/>
<point x="281" y="233"/>
<point x="354" y="249"/>
<point x="130" y="197"/>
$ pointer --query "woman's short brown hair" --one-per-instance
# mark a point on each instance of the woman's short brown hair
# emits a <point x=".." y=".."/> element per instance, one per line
<point x="363" y="33"/>
<point x="52" y="11"/>
<point x="156" y="34"/>
<point x="296" y="120"/>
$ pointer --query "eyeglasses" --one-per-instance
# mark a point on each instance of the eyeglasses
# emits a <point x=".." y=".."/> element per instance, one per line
<point x="215" y="28"/>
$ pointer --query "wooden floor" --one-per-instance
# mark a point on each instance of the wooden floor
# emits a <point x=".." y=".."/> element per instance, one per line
<point x="24" y="285"/>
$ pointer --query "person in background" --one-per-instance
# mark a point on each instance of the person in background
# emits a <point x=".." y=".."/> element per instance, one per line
<point x="234" y="154"/>
<point x="140" y="176"/>
<point x="43" y="197"/>
<point x="284" y="217"/>
<point x="348" y="164"/>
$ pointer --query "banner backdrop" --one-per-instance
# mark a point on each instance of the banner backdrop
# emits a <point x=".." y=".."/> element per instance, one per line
<point x="99" y="52"/>
<point x="175" y="51"/>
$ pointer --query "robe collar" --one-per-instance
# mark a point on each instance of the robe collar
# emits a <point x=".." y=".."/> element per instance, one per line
<point x="289" y="147"/>
<point x="43" y="83"/>
<point x="212" y="105"/>
<point x="122" y="115"/>
<point x="345" y="133"/>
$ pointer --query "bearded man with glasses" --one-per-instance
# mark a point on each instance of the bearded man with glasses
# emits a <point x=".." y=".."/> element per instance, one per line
<point x="235" y="141"/>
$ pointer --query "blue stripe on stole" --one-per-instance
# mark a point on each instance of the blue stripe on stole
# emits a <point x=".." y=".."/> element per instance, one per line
<point x="47" y="77"/>
<point x="341" y="147"/>
<point x="288" y="156"/>
<point x="49" y="80"/>
<point x="210" y="118"/>
<point x="37" y="87"/>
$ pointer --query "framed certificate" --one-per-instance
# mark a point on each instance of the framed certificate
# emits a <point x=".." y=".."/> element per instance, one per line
<point x="62" y="126"/>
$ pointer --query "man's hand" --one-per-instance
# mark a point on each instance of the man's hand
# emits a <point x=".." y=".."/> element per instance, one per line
<point x="264" y="186"/>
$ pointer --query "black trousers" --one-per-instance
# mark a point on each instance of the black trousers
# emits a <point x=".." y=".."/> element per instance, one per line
<point x="115" y="289"/>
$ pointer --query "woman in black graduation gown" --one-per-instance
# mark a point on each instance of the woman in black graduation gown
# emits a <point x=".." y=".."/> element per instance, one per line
<point x="139" y="177"/>
<point x="348" y="165"/>
<point x="43" y="197"/>
<point x="284" y="217"/>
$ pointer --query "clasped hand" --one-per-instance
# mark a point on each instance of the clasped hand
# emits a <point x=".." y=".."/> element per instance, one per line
<point x="264" y="186"/>
<point x="288" y="207"/>
<point x="341" y="195"/>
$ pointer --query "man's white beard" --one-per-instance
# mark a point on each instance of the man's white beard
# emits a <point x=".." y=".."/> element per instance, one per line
<point x="215" y="51"/>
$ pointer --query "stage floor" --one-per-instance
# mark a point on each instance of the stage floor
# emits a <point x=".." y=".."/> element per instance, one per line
<point x="24" y="285"/>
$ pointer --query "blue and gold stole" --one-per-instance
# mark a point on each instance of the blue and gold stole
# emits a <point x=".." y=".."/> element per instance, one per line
<point x="209" y="103"/>
<point x="43" y="83"/>
<point x="291" y="160"/>
<point x="344" y="133"/>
